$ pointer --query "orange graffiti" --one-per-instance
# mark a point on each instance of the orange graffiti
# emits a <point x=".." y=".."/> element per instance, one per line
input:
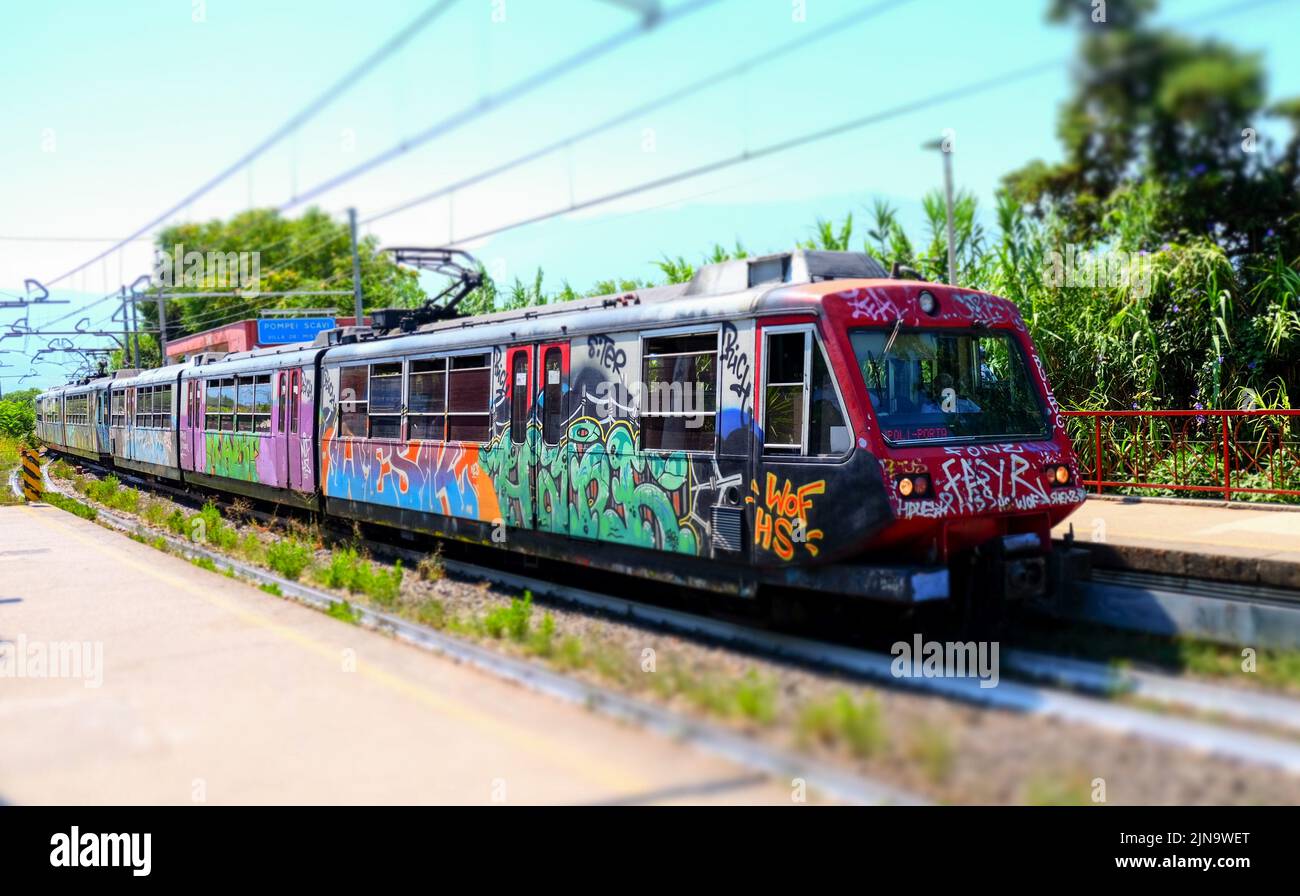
<point x="781" y="521"/>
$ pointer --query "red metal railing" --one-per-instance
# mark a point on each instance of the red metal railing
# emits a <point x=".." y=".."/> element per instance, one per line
<point x="1228" y="452"/>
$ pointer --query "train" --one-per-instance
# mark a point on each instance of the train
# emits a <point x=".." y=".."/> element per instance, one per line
<point x="801" y="421"/>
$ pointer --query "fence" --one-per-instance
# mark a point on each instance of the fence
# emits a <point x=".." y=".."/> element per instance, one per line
<point x="1251" y="455"/>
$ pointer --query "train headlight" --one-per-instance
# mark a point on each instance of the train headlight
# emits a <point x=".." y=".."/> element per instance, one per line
<point x="929" y="304"/>
<point x="915" y="485"/>
<point x="1058" y="474"/>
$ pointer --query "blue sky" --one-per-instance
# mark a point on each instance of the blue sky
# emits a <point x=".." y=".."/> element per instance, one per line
<point x="113" y="112"/>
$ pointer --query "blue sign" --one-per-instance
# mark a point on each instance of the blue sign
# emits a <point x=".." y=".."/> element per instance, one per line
<point x="279" y="330"/>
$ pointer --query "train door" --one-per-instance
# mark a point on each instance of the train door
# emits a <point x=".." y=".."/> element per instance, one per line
<point x="515" y="487"/>
<point x="805" y="438"/>
<point x="281" y="426"/>
<point x="189" y="418"/>
<point x="99" y="422"/>
<point x="550" y="468"/>
<point x="298" y="453"/>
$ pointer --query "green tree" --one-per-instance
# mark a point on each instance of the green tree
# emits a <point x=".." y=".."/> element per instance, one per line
<point x="18" y="414"/>
<point x="1178" y="119"/>
<point x="311" y="252"/>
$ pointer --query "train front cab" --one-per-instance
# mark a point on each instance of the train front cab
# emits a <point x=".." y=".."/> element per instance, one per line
<point x="950" y="400"/>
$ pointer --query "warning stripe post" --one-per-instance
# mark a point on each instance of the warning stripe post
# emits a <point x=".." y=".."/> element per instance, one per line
<point x="33" y="486"/>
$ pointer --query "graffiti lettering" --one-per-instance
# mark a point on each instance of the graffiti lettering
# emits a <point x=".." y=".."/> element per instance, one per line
<point x="233" y="455"/>
<point x="781" y="520"/>
<point x="611" y="357"/>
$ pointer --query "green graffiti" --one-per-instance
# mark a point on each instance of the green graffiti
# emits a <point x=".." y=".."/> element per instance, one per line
<point x="233" y="455"/>
<point x="595" y="484"/>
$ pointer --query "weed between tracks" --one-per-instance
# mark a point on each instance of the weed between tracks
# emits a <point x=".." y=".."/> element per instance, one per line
<point x="949" y="752"/>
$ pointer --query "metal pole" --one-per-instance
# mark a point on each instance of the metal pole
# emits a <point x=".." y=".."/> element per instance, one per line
<point x="126" y="350"/>
<point x="162" y="329"/>
<point x="947" y="189"/>
<point x="356" y="267"/>
<point x="135" y="337"/>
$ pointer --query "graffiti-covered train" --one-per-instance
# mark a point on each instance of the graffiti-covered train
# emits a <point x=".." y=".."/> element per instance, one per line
<point x="794" y="421"/>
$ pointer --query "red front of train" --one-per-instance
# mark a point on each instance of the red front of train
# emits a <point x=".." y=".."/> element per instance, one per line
<point x="946" y="390"/>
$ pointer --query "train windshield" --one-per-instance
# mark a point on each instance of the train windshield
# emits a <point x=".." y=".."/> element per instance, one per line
<point x="949" y="386"/>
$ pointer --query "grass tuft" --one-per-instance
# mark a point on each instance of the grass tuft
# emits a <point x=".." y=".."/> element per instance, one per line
<point x="344" y="611"/>
<point x="289" y="557"/>
<point x="841" y="719"/>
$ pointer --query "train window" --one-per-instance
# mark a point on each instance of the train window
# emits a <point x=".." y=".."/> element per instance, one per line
<point x="354" y="391"/>
<point x="469" y="396"/>
<point x="282" y="384"/>
<point x="75" y="410"/>
<point x="828" y="433"/>
<point x="801" y="410"/>
<point x="946" y="385"/>
<point x="295" y="390"/>
<point x="162" y="407"/>
<point x="262" y="403"/>
<point x="226" y="404"/>
<point x="785" y="400"/>
<point x="519" y="397"/>
<point x="552" y="396"/>
<point x="426" y="400"/>
<point x="386" y="401"/>
<point x="678" y="401"/>
<point x="141" y="406"/>
<point x="212" y="405"/>
<point x="244" y="404"/>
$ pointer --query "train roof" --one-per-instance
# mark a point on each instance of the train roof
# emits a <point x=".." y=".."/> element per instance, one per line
<point x="717" y="292"/>
<point x="259" y="359"/>
<point x="785" y="281"/>
<point x="99" y="382"/>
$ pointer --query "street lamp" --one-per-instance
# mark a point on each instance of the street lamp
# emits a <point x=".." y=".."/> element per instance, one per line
<point x="944" y="146"/>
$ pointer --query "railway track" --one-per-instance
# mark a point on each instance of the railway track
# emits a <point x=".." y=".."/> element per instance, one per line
<point x="1050" y="685"/>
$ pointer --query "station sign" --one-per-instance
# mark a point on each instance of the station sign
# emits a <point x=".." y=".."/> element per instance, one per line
<point x="281" y="330"/>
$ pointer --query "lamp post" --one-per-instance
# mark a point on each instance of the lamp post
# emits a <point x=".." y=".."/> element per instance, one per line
<point x="944" y="146"/>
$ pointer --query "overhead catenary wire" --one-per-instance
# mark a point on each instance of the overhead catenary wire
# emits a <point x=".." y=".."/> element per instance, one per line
<point x="780" y="146"/>
<point x="472" y="112"/>
<point x="750" y="155"/>
<point x="676" y="95"/>
<point x="289" y="126"/>
<point x="497" y="100"/>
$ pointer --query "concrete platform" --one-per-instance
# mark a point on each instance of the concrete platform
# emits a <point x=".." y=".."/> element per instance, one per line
<point x="1250" y="545"/>
<point x="196" y="688"/>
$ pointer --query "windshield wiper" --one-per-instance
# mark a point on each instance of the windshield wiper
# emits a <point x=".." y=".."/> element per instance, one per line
<point x="892" y="336"/>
